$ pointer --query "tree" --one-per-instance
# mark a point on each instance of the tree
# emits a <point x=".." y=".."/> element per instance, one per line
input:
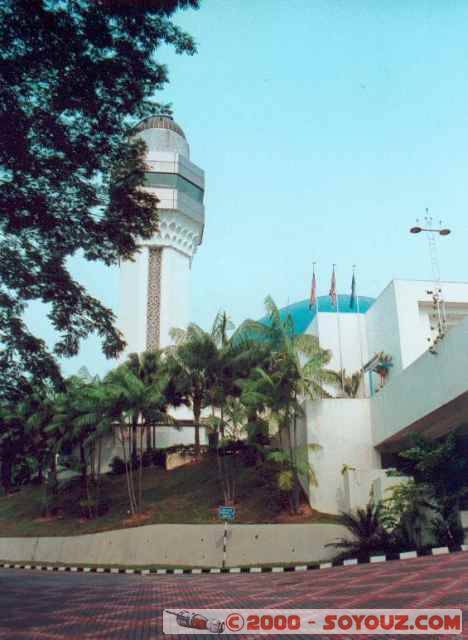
<point x="135" y="403"/>
<point x="12" y="442"/>
<point x="296" y="369"/>
<point x="81" y="419"/>
<point x="76" y="77"/>
<point x="151" y="369"/>
<point x="37" y="410"/>
<point x="194" y="359"/>
<point x="441" y="467"/>
<point x="405" y="512"/>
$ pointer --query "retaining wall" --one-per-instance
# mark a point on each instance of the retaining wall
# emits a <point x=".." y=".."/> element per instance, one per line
<point x="180" y="545"/>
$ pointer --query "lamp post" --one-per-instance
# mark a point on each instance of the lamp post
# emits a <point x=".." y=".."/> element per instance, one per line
<point x="437" y="298"/>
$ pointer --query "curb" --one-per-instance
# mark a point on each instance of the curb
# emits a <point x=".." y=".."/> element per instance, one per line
<point x="405" y="555"/>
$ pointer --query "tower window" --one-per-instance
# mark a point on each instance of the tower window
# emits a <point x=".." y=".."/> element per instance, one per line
<point x="174" y="181"/>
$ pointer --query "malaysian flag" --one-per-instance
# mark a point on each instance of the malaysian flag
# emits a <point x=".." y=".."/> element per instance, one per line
<point x="332" y="292"/>
<point x="313" y="292"/>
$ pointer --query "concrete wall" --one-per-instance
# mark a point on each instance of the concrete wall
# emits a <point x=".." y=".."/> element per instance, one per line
<point x="175" y="293"/>
<point x="399" y="322"/>
<point x="166" y="436"/>
<point x="430" y="382"/>
<point x="132" y="302"/>
<point x="383" y="333"/>
<point x="414" y="307"/>
<point x="353" y="339"/>
<point x="342" y="427"/>
<point x="180" y="545"/>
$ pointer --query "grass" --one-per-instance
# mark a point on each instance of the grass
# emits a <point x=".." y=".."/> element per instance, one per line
<point x="187" y="495"/>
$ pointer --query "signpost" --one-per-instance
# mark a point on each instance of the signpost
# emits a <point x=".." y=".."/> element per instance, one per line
<point x="226" y="513"/>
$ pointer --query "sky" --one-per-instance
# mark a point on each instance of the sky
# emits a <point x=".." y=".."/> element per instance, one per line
<point x="325" y="129"/>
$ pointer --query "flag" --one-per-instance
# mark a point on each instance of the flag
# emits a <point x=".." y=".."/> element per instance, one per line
<point x="333" y="288"/>
<point x="313" y="292"/>
<point x="352" y="299"/>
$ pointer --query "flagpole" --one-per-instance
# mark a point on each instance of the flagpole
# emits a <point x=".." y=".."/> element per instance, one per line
<point x="359" y="328"/>
<point x="339" y="333"/>
<point x="316" y="302"/>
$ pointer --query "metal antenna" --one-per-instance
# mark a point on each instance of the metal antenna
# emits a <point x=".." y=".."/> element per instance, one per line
<point x="433" y="255"/>
<point x="439" y="315"/>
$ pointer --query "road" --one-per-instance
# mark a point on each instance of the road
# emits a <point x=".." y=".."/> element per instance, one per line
<point x="56" y="606"/>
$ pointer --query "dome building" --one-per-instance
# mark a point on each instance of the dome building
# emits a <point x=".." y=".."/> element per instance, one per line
<point x="155" y="288"/>
<point x="410" y="353"/>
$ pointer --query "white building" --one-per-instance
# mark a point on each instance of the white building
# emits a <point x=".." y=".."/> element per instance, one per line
<point x="155" y="288"/>
<point x="425" y="391"/>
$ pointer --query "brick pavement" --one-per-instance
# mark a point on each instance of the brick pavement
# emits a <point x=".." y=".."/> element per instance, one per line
<point x="58" y="606"/>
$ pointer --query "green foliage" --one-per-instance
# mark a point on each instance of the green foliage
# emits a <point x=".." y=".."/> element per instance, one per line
<point x="117" y="465"/>
<point x="406" y="512"/>
<point x="77" y="78"/>
<point x="292" y="467"/>
<point x="368" y="533"/>
<point x="350" y="383"/>
<point x="292" y="367"/>
<point x="197" y="361"/>
<point x="440" y="468"/>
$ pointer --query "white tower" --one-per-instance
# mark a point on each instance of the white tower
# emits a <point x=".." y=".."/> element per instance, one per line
<point x="155" y="288"/>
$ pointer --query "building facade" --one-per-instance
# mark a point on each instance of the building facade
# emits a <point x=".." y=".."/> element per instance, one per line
<point x="413" y="382"/>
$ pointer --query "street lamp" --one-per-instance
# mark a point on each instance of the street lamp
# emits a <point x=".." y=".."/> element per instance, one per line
<point x="437" y="299"/>
<point x="441" y="232"/>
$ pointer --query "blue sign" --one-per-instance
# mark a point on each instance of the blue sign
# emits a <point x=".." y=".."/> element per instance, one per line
<point x="226" y="513"/>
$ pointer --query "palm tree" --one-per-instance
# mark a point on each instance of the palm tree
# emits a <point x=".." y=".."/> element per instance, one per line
<point x="150" y="368"/>
<point x="136" y="404"/>
<point x="296" y="370"/>
<point x="12" y="442"/>
<point x="37" y="410"/>
<point x="350" y="384"/>
<point x="81" y="419"/>
<point x="368" y="533"/>
<point x="194" y="360"/>
<point x="304" y="351"/>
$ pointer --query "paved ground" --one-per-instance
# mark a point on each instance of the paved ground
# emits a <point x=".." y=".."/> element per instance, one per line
<point x="45" y="606"/>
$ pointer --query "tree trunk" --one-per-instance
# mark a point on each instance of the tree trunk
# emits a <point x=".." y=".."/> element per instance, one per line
<point x="5" y="472"/>
<point x="128" y="472"/>
<point x="140" y="475"/>
<point x="294" y="501"/>
<point x="134" y="442"/>
<point x="196" y="416"/>
<point x="83" y="471"/>
<point x="51" y="486"/>
<point x="148" y="438"/>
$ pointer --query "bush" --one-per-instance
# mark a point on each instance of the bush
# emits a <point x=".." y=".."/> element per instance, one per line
<point x="99" y="506"/>
<point x="147" y="459"/>
<point x="369" y="536"/>
<point x="267" y="478"/>
<point x="159" y="458"/>
<point x="117" y="465"/>
<point x="213" y="440"/>
<point x="448" y="531"/>
<point x="251" y="454"/>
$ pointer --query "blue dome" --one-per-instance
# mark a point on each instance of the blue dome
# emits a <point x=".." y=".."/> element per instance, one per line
<point x="302" y="316"/>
